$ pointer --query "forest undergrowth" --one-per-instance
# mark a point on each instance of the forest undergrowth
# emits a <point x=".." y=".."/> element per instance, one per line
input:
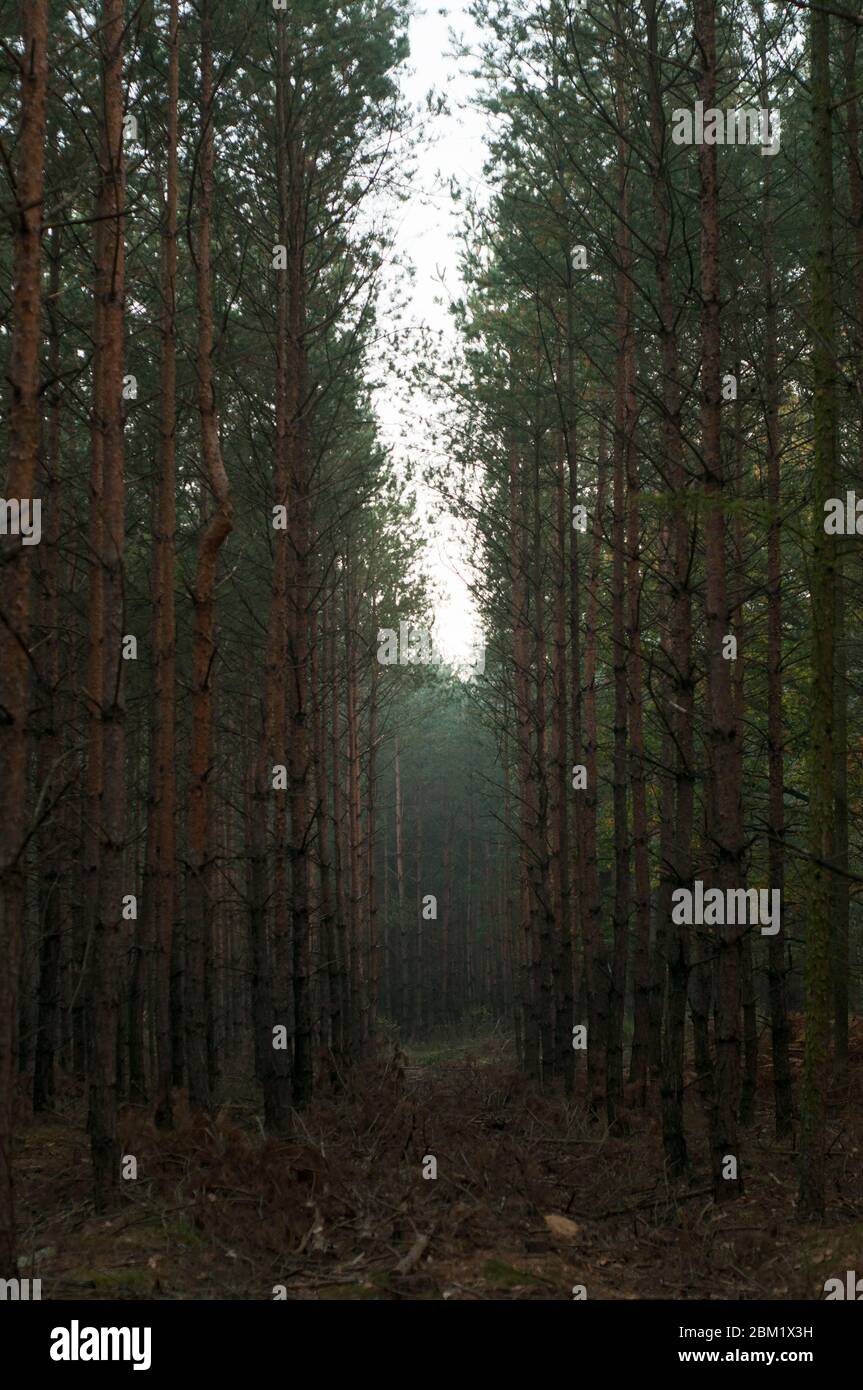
<point x="532" y="1198"/>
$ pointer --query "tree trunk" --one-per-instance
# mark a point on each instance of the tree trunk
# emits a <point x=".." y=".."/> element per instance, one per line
<point x="819" y="906"/>
<point x="777" y="967"/>
<point x="530" y="990"/>
<point x="108" y="373"/>
<point x="841" y="885"/>
<point x="371" y="874"/>
<point x="271" y="1063"/>
<point x="724" y="821"/>
<point x="623" y="426"/>
<point x="596" y="975"/>
<point x="678" y="717"/>
<point x="52" y="851"/>
<point x="562" y="790"/>
<point x="325" y="868"/>
<point x="275" y="661"/>
<point x="341" y="1026"/>
<point x="216" y="532"/>
<point x="165" y="655"/>
<point x="541" y="859"/>
<point x="641" y="943"/>
<point x="17" y="560"/>
<point x="355" y="947"/>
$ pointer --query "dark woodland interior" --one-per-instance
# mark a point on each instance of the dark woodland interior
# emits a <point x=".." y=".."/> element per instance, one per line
<point x="336" y="964"/>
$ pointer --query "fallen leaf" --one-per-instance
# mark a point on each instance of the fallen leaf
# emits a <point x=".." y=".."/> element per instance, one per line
<point x="562" y="1227"/>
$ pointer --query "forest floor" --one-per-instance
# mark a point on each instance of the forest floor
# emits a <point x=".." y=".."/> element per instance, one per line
<point x="530" y="1200"/>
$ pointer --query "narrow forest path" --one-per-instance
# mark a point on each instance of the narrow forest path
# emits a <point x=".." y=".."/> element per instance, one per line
<point x="531" y="1200"/>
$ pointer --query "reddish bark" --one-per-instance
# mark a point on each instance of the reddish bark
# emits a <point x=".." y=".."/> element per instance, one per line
<point x="23" y="375"/>
<point x="164" y="618"/>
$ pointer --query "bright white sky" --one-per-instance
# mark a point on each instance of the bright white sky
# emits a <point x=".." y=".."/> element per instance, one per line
<point x="427" y="237"/>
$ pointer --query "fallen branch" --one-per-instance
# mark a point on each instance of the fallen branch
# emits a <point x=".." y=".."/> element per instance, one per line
<point x="414" y="1255"/>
